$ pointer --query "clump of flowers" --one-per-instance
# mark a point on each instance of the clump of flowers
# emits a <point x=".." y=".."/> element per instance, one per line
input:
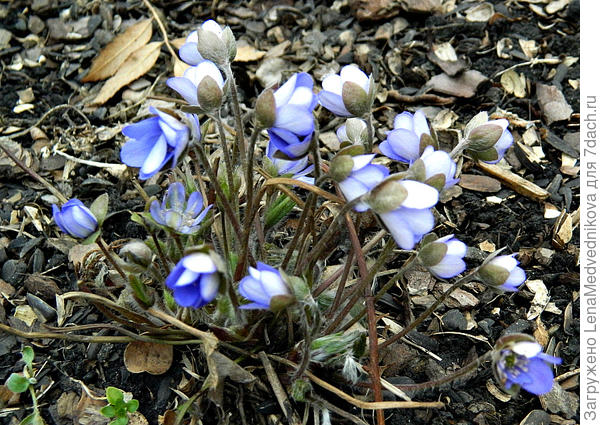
<point x="267" y="246"/>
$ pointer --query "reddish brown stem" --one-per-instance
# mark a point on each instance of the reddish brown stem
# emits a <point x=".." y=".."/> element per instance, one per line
<point x="371" y="319"/>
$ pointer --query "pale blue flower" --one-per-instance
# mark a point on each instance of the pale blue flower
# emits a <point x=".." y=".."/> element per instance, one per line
<point x="331" y="97"/>
<point x="516" y="275"/>
<point x="299" y="168"/>
<point x="178" y="213"/>
<point x="263" y="283"/>
<point x="187" y="85"/>
<point x="403" y="143"/>
<point x="524" y="365"/>
<point x="439" y="162"/>
<point x="363" y="177"/>
<point x="452" y="264"/>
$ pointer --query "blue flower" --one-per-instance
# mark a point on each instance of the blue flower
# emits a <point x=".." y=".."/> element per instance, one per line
<point x="293" y="126"/>
<point x="504" y="142"/>
<point x="292" y="145"/>
<point x="155" y="141"/>
<point x="177" y="213"/>
<point x="194" y="280"/>
<point x="451" y="263"/>
<point x="503" y="272"/>
<point x="524" y="365"/>
<point x="263" y="283"/>
<point x="75" y="219"/>
<point x="439" y="162"/>
<point x="189" y="51"/>
<point x="363" y="177"/>
<point x="297" y="168"/>
<point x="403" y="143"/>
<point x="342" y="102"/>
<point x="412" y="218"/>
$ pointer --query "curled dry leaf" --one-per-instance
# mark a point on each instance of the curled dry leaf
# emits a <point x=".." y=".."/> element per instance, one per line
<point x="116" y="52"/>
<point x="149" y="357"/>
<point x="480" y="13"/>
<point x="540" y="299"/>
<point x="514" y="83"/>
<point x="134" y="67"/>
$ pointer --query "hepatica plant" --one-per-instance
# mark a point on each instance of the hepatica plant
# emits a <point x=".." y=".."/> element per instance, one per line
<point x="262" y="271"/>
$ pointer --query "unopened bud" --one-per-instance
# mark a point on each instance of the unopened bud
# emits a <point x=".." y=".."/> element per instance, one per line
<point x="212" y="47"/>
<point x="484" y="137"/>
<point x="432" y="254"/>
<point x="356" y="100"/>
<point x="493" y="275"/>
<point x="265" y="109"/>
<point x="210" y="94"/>
<point x="356" y="130"/>
<point x="230" y="44"/>
<point x="387" y="196"/>
<point x="137" y="253"/>
<point x="340" y="167"/>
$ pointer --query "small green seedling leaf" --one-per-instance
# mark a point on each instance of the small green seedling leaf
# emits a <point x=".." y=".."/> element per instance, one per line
<point x="114" y="396"/>
<point x="92" y="238"/>
<point x="108" y="411"/>
<point x="100" y="208"/>
<point x="28" y="356"/>
<point x="133" y="405"/>
<point x="33" y="419"/>
<point x="120" y="421"/>
<point x="17" y="383"/>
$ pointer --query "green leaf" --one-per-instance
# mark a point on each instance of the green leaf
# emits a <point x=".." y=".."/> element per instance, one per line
<point x="278" y="210"/>
<point x="108" y="411"/>
<point x="28" y="355"/>
<point x="100" y="208"/>
<point x="114" y="395"/>
<point x="92" y="238"/>
<point x="133" y="405"/>
<point x="33" y="419"/>
<point x="120" y="421"/>
<point x="17" y="383"/>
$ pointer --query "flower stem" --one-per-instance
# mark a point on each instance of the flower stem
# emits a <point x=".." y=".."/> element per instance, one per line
<point x="237" y="113"/>
<point x="100" y="242"/>
<point x="370" y="134"/>
<point x="224" y="201"/>
<point x="458" y="149"/>
<point x="226" y="152"/>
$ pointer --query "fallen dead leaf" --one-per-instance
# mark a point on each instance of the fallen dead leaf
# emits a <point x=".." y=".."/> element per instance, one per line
<point x="149" y="357"/>
<point x="248" y="53"/>
<point x="540" y="299"/>
<point x="487" y="246"/>
<point x="116" y="53"/>
<point x="464" y="85"/>
<point x="514" y="83"/>
<point x="480" y="13"/>
<point x="133" y="68"/>
<point x="552" y="103"/>
<point x="479" y="183"/>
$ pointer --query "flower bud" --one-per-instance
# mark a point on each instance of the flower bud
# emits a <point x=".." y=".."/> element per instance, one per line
<point x="210" y="94"/>
<point x="216" y="44"/>
<point x="340" y="167"/>
<point x="486" y="140"/>
<point x="265" y="109"/>
<point x="387" y="196"/>
<point x="266" y="288"/>
<point x="353" y="132"/>
<point x="356" y="100"/>
<point x="137" y="253"/>
<point x="75" y="219"/>
<point x="503" y="272"/>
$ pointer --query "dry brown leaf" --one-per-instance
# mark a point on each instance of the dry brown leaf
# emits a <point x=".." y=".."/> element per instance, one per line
<point x="149" y="357"/>
<point x="480" y="13"/>
<point x="134" y="67"/>
<point x="116" y="52"/>
<point x="248" y="53"/>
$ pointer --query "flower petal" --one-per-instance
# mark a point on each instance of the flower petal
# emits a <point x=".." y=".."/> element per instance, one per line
<point x="199" y="262"/>
<point x="334" y="103"/>
<point x="296" y="119"/>
<point x="189" y="53"/>
<point x="419" y="195"/>
<point x="185" y="88"/>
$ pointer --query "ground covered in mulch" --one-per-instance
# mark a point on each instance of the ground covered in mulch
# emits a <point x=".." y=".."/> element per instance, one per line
<point x="421" y="53"/>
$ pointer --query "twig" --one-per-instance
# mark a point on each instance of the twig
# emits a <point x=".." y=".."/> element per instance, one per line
<point x="162" y="28"/>
<point x="46" y="115"/>
<point x="291" y="416"/>
<point x="359" y="403"/>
